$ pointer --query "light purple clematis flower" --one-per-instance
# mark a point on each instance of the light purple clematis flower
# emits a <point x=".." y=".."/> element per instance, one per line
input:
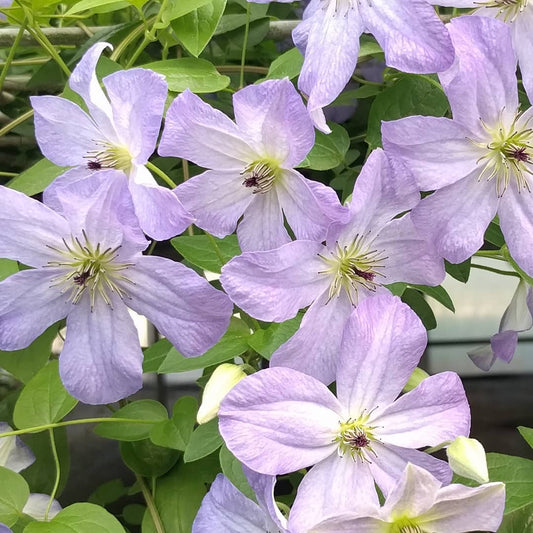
<point x="233" y="512"/>
<point x="481" y="162"/>
<point x="410" y="32"/>
<point x="280" y="420"/>
<point x="369" y="249"/>
<point x="251" y="162"/>
<point x="120" y="132"/>
<point x="518" y="14"/>
<point x="88" y="267"/>
<point x="420" y="503"/>
<point x="517" y="317"/>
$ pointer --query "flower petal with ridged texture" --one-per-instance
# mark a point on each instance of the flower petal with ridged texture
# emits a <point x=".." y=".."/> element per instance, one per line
<point x="206" y="136"/>
<point x="14" y="453"/>
<point x="182" y="305"/>
<point x="274" y="428"/>
<point x="382" y="344"/>
<point x="273" y="285"/>
<point x="274" y="118"/>
<point x="522" y="31"/>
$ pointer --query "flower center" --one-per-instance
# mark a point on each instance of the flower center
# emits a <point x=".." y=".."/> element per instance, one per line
<point x="352" y="267"/>
<point x="355" y="437"/>
<point x="509" y="154"/>
<point x="260" y="176"/>
<point x="405" y="525"/>
<point x="89" y="269"/>
<point x="508" y="10"/>
<point x="110" y="156"/>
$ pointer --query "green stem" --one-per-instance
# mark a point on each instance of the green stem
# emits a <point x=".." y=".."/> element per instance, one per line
<point x="8" y="174"/>
<point x="491" y="254"/>
<point x="237" y="68"/>
<point x="14" y="123"/>
<point x="495" y="270"/>
<point x="216" y="248"/>
<point x="11" y="54"/>
<point x="161" y="174"/>
<point x="432" y="81"/>
<point x="512" y="262"/>
<point x="362" y="81"/>
<point x="154" y="513"/>
<point x="244" y="45"/>
<point x="37" y="429"/>
<point x="58" y="474"/>
<point x="135" y="34"/>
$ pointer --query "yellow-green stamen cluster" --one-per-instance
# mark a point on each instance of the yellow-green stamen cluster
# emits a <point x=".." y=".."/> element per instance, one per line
<point x="509" y="155"/>
<point x="110" y="156"/>
<point x="355" y="437"/>
<point x="405" y="525"/>
<point x="260" y="176"/>
<point x="353" y="266"/>
<point x="508" y="10"/>
<point x="91" y="269"/>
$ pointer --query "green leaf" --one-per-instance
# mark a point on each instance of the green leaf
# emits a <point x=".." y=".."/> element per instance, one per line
<point x="177" y="8"/>
<point x="176" y="432"/>
<point x="7" y="267"/>
<point x="266" y="341"/>
<point x="527" y="433"/>
<point x="147" y="459"/>
<point x="415" y="300"/>
<point x="437" y="293"/>
<point x="149" y="411"/>
<point x="195" y="29"/>
<point x="96" y="5"/>
<point x="397" y="288"/>
<point x="287" y="64"/>
<point x="410" y="95"/>
<point x="329" y="150"/>
<point x="197" y="75"/>
<point x="14" y="493"/>
<point x="79" y="518"/>
<point x="494" y="234"/>
<point x="207" y="252"/>
<point x="133" y="513"/>
<point x="43" y="400"/>
<point x="460" y="272"/>
<point x="24" y="364"/>
<point x="204" y="440"/>
<point x="108" y="493"/>
<point x="232" y="469"/>
<point x="36" y="178"/>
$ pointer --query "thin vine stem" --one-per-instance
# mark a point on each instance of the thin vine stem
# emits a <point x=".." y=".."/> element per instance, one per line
<point x="161" y="174"/>
<point x="495" y="270"/>
<point x="58" y="473"/>
<point x="11" y="55"/>
<point x="244" y="45"/>
<point x="14" y="123"/>
<point x="150" y="503"/>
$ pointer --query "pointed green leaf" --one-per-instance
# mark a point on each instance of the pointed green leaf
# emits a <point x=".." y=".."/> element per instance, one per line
<point x="14" y="493"/>
<point x="204" y="440"/>
<point x="329" y="150"/>
<point x="36" y="178"/>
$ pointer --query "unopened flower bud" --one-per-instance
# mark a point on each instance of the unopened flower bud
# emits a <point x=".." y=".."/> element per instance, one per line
<point x="223" y="379"/>
<point x="467" y="458"/>
<point x="416" y="378"/>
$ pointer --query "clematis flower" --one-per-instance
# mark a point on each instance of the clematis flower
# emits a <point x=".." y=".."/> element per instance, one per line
<point x="420" y="503"/>
<point x="367" y="435"/>
<point x="517" y="317"/>
<point x="369" y="249"/>
<point x="119" y="132"/>
<point x="233" y="512"/>
<point x="88" y="267"/>
<point x="480" y="163"/>
<point x="251" y="162"/>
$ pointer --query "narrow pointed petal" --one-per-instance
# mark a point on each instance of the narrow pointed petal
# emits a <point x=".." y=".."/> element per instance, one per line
<point x="137" y="99"/>
<point x="503" y="345"/>
<point x="411" y="34"/>
<point x="522" y="29"/>
<point x="216" y="199"/>
<point x="482" y="81"/>
<point x="290" y="427"/>
<point x="273" y="285"/>
<point x="14" y="454"/>
<point x="382" y="344"/>
<point x="37" y="507"/>
<point x="273" y="116"/>
<point x="28" y="229"/>
<point x="101" y="361"/>
<point x="314" y="348"/>
<point x="229" y="509"/>
<point x="262" y="226"/>
<point x="183" y="306"/>
<point x="517" y="316"/>
<point x="64" y="132"/>
<point x="161" y="215"/>
<point x="483" y="356"/>
<point x="28" y="305"/>
<point x="436" y="150"/>
<point x="336" y="485"/>
<point x="455" y="218"/>
<point x="206" y="136"/>
<point x="435" y="411"/>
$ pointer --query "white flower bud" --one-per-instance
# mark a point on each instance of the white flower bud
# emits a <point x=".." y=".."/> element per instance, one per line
<point x="415" y="379"/>
<point x="223" y="379"/>
<point x="467" y="458"/>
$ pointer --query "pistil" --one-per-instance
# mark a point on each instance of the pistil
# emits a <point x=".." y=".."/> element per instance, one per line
<point x="260" y="176"/>
<point x="110" y="156"/>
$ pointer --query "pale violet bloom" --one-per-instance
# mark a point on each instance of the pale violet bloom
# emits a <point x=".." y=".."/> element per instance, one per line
<point x="517" y="317"/>
<point x="518" y="14"/>
<point x="14" y="453"/>
<point x="420" y="504"/>
<point x="480" y="163"/>
<point x="233" y="512"/>
<point x="369" y="249"/>
<point x="120" y="132"/>
<point x="280" y="420"/>
<point x="87" y="266"/>
<point x="251" y="165"/>
<point x="4" y="4"/>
